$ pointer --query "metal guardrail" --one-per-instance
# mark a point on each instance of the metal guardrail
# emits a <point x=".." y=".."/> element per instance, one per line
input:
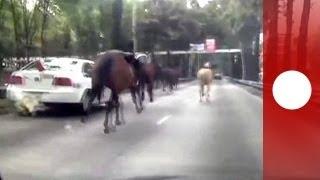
<point x="199" y="52"/>
<point x="254" y="84"/>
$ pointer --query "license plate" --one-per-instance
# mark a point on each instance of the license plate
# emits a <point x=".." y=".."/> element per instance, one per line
<point x="46" y="76"/>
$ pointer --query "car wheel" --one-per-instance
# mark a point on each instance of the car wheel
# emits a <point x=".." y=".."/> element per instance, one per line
<point x="85" y="103"/>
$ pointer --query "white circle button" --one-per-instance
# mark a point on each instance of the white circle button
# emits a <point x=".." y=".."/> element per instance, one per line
<point x="292" y="90"/>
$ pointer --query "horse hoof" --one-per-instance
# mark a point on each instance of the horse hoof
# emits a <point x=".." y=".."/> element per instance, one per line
<point x="118" y="123"/>
<point x="112" y="129"/>
<point x="83" y="120"/>
<point x="106" y="131"/>
<point x="139" y="110"/>
<point x="34" y="114"/>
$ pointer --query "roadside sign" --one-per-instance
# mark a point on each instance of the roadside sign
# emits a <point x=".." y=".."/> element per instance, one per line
<point x="197" y="47"/>
<point x="210" y="45"/>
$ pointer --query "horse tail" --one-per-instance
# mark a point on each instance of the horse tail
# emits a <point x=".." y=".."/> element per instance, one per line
<point x="102" y="76"/>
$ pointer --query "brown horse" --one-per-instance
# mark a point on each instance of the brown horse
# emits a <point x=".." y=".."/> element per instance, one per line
<point x="169" y="78"/>
<point x="117" y="71"/>
<point x="150" y="73"/>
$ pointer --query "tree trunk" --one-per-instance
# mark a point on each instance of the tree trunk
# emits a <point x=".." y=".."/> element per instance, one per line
<point x="26" y="28"/>
<point x="15" y="28"/>
<point x="1" y="5"/>
<point x="271" y="31"/>
<point x="303" y="35"/>
<point x="45" y="6"/>
<point x="116" y="34"/>
<point x="289" y="22"/>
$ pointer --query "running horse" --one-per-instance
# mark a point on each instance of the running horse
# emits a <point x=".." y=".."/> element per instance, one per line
<point x="117" y="71"/>
<point x="170" y="78"/>
<point x="150" y="72"/>
<point x="205" y="76"/>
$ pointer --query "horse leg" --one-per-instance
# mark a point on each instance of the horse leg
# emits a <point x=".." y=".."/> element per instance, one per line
<point x="117" y="106"/>
<point x="109" y="107"/>
<point x="201" y="91"/>
<point x="163" y="86"/>
<point x="150" y="88"/>
<point x="121" y="111"/>
<point x="139" y="99"/>
<point x="138" y="93"/>
<point x="142" y="90"/>
<point x="133" y="91"/>
<point x="208" y="92"/>
<point x="171" y="86"/>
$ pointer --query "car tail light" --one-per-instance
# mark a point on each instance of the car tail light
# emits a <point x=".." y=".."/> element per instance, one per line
<point x="16" y="80"/>
<point x="62" y="81"/>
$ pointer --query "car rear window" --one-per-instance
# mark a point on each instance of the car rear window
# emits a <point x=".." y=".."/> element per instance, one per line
<point x="55" y="65"/>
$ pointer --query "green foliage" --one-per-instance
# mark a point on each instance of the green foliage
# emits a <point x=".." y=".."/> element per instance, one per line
<point x="116" y="34"/>
<point x="85" y="27"/>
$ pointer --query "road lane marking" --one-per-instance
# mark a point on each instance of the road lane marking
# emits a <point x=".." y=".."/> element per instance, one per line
<point x="162" y="120"/>
<point x="67" y="127"/>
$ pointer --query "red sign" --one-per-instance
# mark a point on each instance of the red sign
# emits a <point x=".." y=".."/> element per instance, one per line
<point x="210" y="45"/>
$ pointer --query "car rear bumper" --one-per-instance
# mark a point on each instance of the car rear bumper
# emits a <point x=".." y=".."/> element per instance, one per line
<point x="64" y="95"/>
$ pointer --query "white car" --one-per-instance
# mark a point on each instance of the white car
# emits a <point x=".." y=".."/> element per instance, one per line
<point x="63" y="80"/>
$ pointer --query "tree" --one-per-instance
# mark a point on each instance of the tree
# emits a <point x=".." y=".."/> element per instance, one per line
<point x="81" y="27"/>
<point x="25" y="26"/>
<point x="271" y="32"/>
<point x="30" y="25"/>
<point x="116" y="34"/>
<point x="194" y="3"/>
<point x="303" y="35"/>
<point x="44" y="5"/>
<point x="16" y="26"/>
<point x="168" y="25"/>
<point x="105" y="23"/>
<point x="289" y="23"/>
<point x="1" y="5"/>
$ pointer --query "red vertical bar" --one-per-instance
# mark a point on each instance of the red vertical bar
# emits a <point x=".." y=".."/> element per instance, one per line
<point x="291" y="138"/>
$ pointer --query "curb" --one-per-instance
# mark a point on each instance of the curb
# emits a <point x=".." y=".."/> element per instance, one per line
<point x="254" y="84"/>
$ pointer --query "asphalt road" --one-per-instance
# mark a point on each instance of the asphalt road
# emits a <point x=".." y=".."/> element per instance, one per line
<point x="176" y="137"/>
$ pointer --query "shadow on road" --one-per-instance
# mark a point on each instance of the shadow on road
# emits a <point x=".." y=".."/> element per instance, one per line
<point x="63" y="111"/>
